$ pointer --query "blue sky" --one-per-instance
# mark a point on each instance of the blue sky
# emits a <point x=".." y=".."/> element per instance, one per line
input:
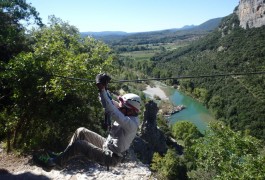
<point x="133" y="15"/>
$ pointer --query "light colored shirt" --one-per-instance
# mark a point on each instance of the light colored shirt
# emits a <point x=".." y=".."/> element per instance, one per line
<point x="123" y="130"/>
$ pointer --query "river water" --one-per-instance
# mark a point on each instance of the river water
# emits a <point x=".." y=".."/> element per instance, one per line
<point x="195" y="112"/>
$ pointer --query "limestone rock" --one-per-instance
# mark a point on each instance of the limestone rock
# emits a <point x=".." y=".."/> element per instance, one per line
<point x="251" y="13"/>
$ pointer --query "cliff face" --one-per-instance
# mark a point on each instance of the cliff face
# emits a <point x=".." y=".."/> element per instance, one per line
<point x="251" y="13"/>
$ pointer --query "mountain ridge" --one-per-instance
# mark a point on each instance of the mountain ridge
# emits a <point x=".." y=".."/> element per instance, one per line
<point x="206" y="26"/>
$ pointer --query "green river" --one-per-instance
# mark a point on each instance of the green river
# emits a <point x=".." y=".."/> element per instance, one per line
<point x="195" y="112"/>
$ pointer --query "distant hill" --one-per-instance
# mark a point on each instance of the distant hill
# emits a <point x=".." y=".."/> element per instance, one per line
<point x="104" y="33"/>
<point x="188" y="27"/>
<point x="206" y="26"/>
<point x="209" y="25"/>
<point x="110" y="36"/>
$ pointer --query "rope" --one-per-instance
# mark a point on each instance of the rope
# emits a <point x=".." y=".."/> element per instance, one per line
<point x="152" y="79"/>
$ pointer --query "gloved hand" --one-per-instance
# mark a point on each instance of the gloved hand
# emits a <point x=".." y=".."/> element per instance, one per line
<point x="102" y="80"/>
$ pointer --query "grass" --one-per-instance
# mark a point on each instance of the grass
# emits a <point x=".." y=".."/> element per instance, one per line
<point x="153" y="49"/>
<point x="139" y="55"/>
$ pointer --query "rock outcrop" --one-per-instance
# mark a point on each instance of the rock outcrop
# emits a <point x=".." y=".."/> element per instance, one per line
<point x="15" y="168"/>
<point x="251" y="13"/>
<point x="151" y="139"/>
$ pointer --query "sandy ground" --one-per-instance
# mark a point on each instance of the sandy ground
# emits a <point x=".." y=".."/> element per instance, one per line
<point x="152" y="91"/>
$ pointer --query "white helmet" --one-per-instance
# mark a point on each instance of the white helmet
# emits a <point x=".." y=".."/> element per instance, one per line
<point x="131" y="101"/>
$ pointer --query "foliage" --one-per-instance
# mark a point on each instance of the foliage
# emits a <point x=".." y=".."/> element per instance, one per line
<point x="143" y="41"/>
<point x="185" y="131"/>
<point x="220" y="154"/>
<point x="171" y="166"/>
<point x="163" y="125"/>
<point x="44" y="107"/>
<point x="12" y="15"/>
<point x="225" y="154"/>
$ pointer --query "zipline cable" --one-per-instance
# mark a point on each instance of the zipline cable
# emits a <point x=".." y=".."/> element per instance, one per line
<point x="193" y="77"/>
<point x="151" y="79"/>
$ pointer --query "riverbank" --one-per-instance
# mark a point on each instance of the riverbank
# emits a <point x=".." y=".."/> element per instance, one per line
<point x="152" y="92"/>
<point x="157" y="92"/>
<point x="194" y="112"/>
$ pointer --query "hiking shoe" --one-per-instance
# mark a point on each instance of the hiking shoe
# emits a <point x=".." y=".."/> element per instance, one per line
<point x="51" y="162"/>
<point x="44" y="160"/>
<point x="53" y="154"/>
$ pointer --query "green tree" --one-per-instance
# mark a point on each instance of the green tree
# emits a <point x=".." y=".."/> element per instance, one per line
<point x="14" y="15"/>
<point x="185" y="132"/>
<point x="225" y="154"/>
<point x="171" y="166"/>
<point x="216" y="104"/>
<point x="45" y="107"/>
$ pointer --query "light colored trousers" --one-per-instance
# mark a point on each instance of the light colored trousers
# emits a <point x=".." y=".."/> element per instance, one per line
<point x="90" y="145"/>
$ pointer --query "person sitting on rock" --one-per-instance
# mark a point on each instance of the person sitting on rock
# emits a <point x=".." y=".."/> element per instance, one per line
<point x="105" y="151"/>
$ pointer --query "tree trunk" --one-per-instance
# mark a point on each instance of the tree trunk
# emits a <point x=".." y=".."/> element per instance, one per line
<point x="8" y="141"/>
<point x="17" y="131"/>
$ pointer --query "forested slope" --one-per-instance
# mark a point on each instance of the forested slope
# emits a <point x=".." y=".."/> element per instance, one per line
<point x="237" y="100"/>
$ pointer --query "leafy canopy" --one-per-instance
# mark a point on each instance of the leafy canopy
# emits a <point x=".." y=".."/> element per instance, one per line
<point x="185" y="132"/>
<point x="225" y="154"/>
<point x="46" y="108"/>
<point x="14" y="16"/>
